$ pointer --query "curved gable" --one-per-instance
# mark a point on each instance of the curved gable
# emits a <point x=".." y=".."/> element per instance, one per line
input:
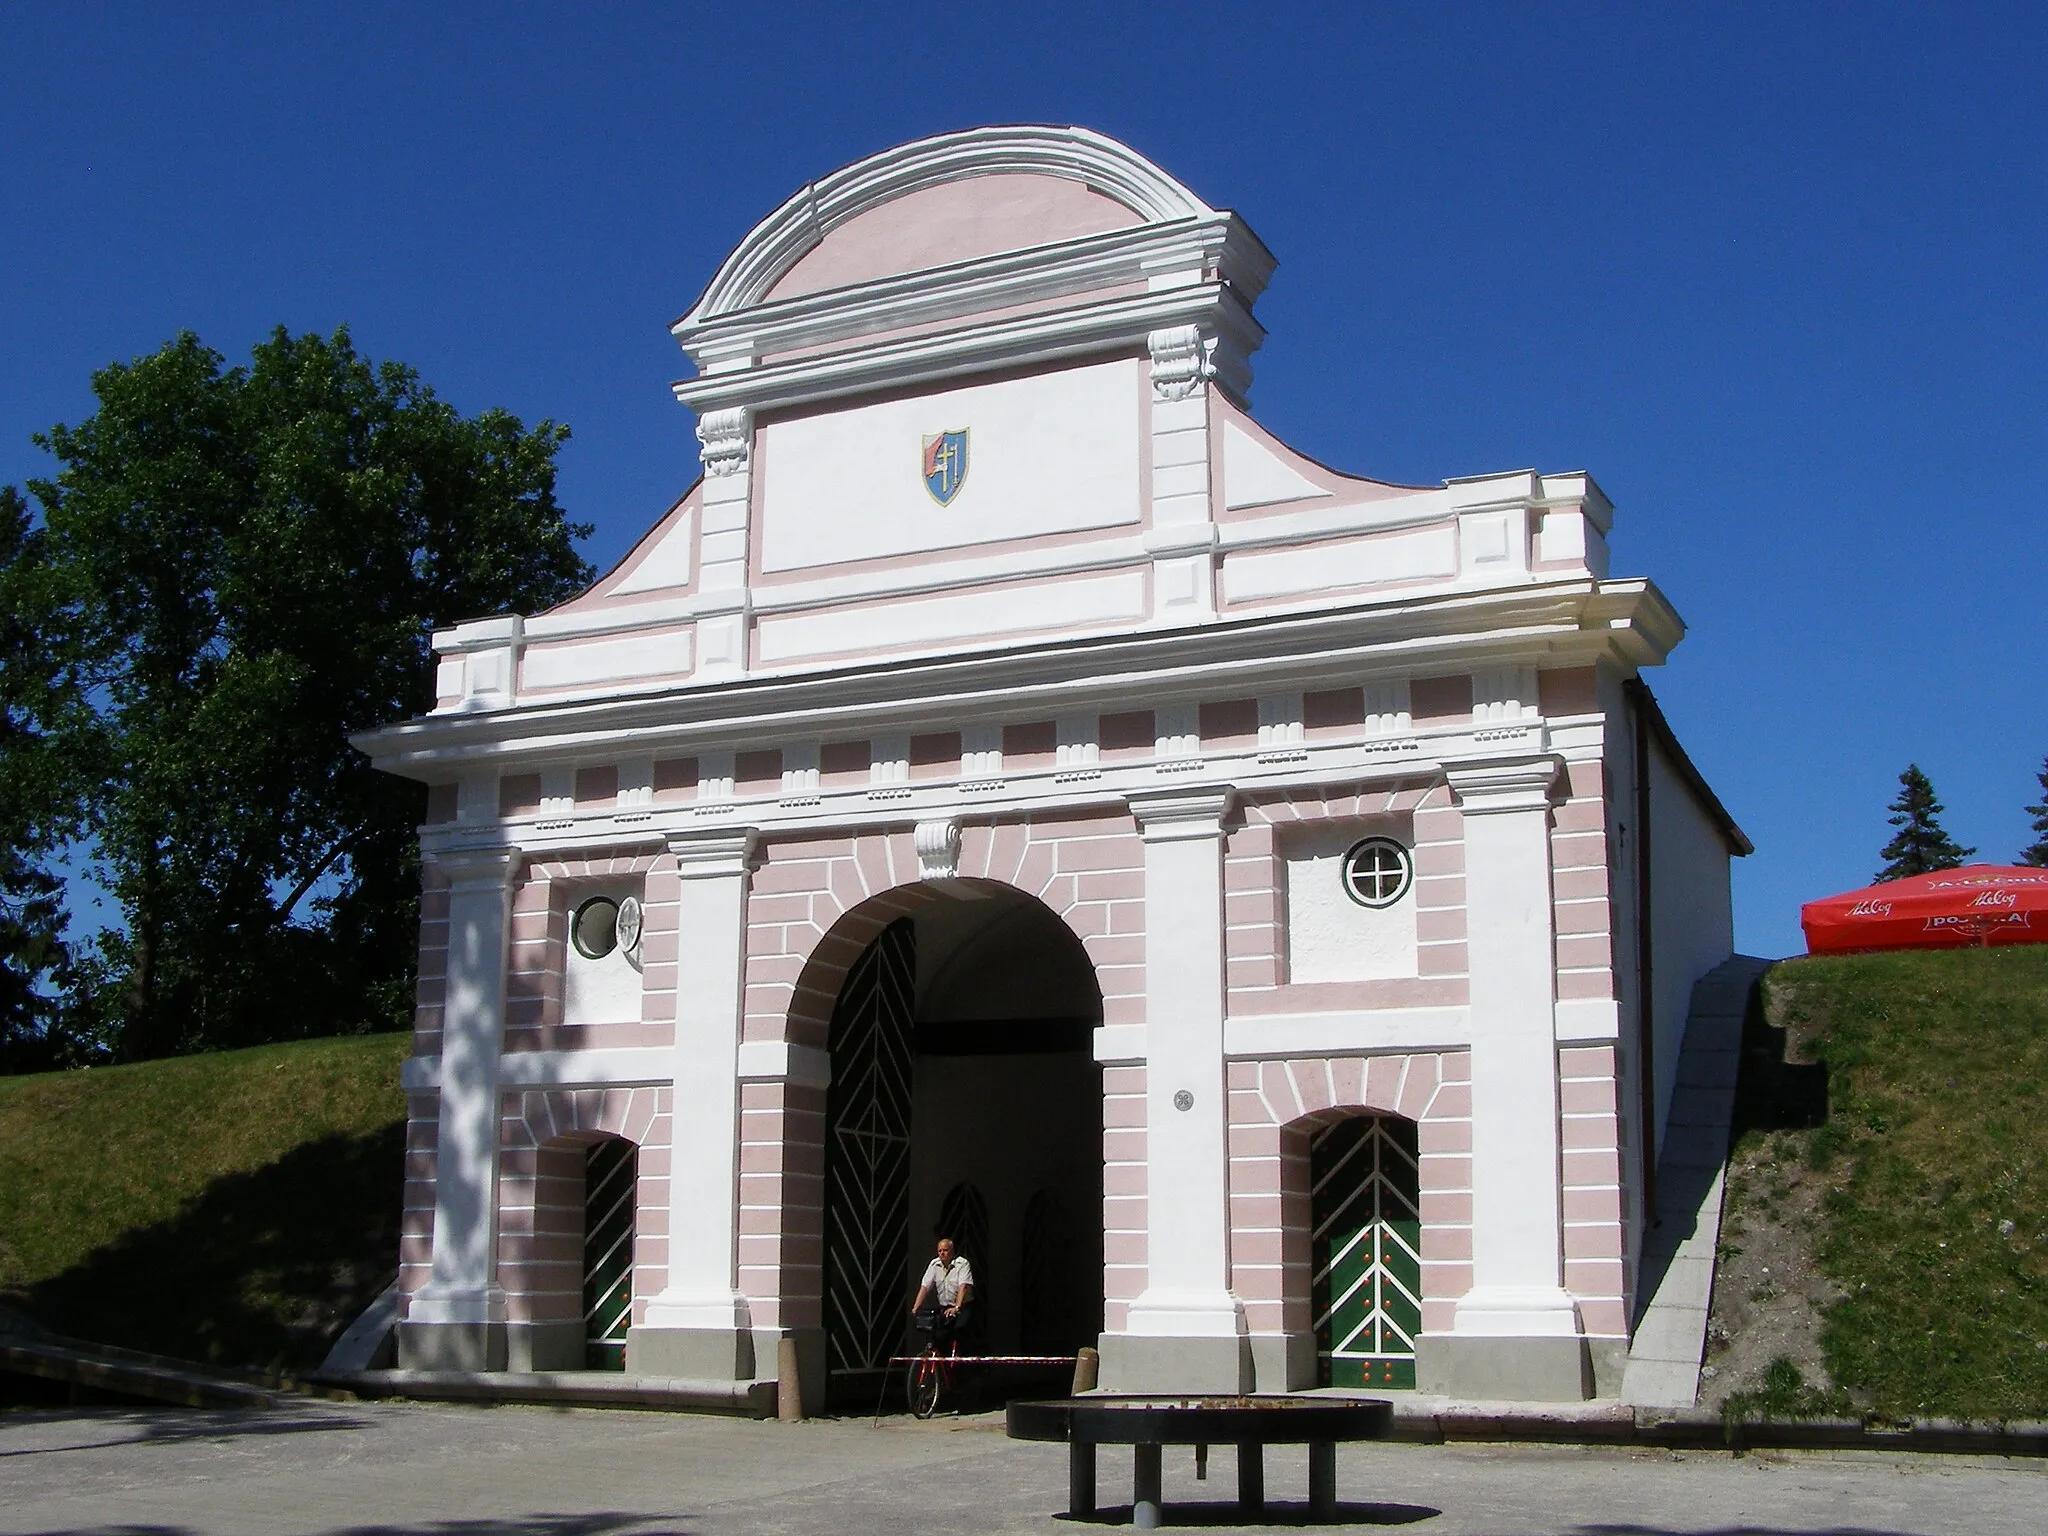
<point x="954" y="221"/>
<point x="1100" y="167"/>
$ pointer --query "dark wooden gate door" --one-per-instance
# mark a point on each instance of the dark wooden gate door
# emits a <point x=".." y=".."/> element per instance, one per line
<point x="1367" y="1292"/>
<point x="608" y="1193"/>
<point x="867" y="1155"/>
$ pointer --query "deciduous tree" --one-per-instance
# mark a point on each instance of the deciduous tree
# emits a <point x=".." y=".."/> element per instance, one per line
<point x="1920" y="846"/>
<point x="38" y="796"/>
<point x="248" y="562"/>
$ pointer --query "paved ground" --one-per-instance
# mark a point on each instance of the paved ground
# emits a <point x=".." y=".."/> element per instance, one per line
<point x="399" y="1470"/>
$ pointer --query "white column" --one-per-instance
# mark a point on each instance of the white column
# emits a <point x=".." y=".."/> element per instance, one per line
<point x="1517" y="1253"/>
<point x="1186" y="1330"/>
<point x="462" y="1289"/>
<point x="699" y="1325"/>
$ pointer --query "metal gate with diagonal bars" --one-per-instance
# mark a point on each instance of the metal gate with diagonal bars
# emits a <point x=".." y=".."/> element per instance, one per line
<point x="867" y="1155"/>
<point x="608" y="1189"/>
<point x="1367" y="1245"/>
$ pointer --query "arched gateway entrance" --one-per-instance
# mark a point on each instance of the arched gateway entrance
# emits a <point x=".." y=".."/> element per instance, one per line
<point x="964" y="1098"/>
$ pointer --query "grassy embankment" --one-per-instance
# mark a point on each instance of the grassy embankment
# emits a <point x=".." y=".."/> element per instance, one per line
<point x="1921" y="1193"/>
<point x="238" y="1208"/>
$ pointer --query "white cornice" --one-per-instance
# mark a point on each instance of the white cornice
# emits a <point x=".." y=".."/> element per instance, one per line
<point x="1506" y="785"/>
<point x="1050" y="337"/>
<point x="782" y="239"/>
<point x="1180" y="798"/>
<point x="1574" y="621"/>
<point x="1194" y="248"/>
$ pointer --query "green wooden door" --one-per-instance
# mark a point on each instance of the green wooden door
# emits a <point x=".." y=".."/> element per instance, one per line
<point x="608" y="1189"/>
<point x="1367" y="1226"/>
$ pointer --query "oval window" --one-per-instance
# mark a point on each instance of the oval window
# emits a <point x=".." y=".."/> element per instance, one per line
<point x="1377" y="872"/>
<point x="594" y="930"/>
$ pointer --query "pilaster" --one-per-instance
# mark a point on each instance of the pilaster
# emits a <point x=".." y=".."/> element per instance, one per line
<point x="700" y="1326"/>
<point x="1182" y="537"/>
<point x="456" y="1321"/>
<point x="723" y="606"/>
<point x="1186" y="1331"/>
<point x="1517" y="1333"/>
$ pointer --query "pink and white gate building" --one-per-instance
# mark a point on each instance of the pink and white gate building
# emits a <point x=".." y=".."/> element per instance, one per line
<point x="1012" y="789"/>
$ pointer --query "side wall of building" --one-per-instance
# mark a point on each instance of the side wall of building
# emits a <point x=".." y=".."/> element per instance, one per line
<point x="1692" y="919"/>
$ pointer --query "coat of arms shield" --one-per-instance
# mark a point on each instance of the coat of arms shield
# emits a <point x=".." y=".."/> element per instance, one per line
<point x="945" y="465"/>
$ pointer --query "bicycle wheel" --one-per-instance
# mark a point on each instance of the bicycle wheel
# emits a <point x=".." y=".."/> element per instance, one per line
<point x="921" y="1385"/>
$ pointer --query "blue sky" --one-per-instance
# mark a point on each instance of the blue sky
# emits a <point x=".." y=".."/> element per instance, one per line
<point x="1775" y="275"/>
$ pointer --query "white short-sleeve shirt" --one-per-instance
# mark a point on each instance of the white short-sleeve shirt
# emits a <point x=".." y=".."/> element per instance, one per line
<point x="945" y="1280"/>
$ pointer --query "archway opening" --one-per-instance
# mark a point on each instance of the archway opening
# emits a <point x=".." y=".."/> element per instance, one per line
<point x="573" y="1275"/>
<point x="965" y="1102"/>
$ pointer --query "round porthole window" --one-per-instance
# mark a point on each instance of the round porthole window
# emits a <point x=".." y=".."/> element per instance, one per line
<point x="1377" y="872"/>
<point x="628" y="925"/>
<point x="594" y="930"/>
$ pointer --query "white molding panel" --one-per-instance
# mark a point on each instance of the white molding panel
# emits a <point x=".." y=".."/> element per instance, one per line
<point x="595" y="662"/>
<point x="1075" y="604"/>
<point x="1048" y="454"/>
<point x="1426" y="553"/>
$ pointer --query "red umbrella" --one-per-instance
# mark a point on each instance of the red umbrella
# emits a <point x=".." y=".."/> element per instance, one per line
<point x="1949" y="909"/>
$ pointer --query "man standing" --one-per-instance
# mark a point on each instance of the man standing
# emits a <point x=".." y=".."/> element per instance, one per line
<point x="944" y="1295"/>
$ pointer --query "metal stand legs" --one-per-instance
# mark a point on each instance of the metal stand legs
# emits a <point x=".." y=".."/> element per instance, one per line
<point x="1081" y="1479"/>
<point x="1251" y="1478"/>
<point x="1148" y="1504"/>
<point x="1145" y="1500"/>
<point x="1322" y="1479"/>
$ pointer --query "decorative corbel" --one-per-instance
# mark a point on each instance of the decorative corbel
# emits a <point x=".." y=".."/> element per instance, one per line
<point x="1183" y="360"/>
<point x="728" y="439"/>
<point x="938" y="849"/>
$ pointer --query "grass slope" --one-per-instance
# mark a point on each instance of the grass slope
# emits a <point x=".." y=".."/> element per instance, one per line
<point x="1927" y="1174"/>
<point x="238" y="1208"/>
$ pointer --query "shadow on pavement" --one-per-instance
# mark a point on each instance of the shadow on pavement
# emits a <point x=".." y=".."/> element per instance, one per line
<point x="602" y="1523"/>
<point x="179" y="1426"/>
<point x="1278" y="1512"/>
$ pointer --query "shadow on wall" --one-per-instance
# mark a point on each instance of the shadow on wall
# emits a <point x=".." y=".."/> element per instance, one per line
<point x="260" y="1269"/>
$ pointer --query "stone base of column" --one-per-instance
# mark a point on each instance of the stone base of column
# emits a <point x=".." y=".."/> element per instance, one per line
<point x="703" y="1336"/>
<point x="557" y="1346"/>
<point x="1180" y="1341"/>
<point x="1509" y="1343"/>
<point x="1610" y="1361"/>
<point x="695" y="1354"/>
<point x="1283" y="1362"/>
<point x="453" y="1328"/>
<point x="1535" y="1368"/>
<point x="1186" y="1364"/>
<point x="451" y="1346"/>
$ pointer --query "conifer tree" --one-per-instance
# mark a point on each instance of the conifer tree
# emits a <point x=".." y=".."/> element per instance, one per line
<point x="2038" y="854"/>
<point x="1920" y="846"/>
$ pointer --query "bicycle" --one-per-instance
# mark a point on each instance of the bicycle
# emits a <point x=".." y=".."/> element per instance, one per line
<point x="928" y="1377"/>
